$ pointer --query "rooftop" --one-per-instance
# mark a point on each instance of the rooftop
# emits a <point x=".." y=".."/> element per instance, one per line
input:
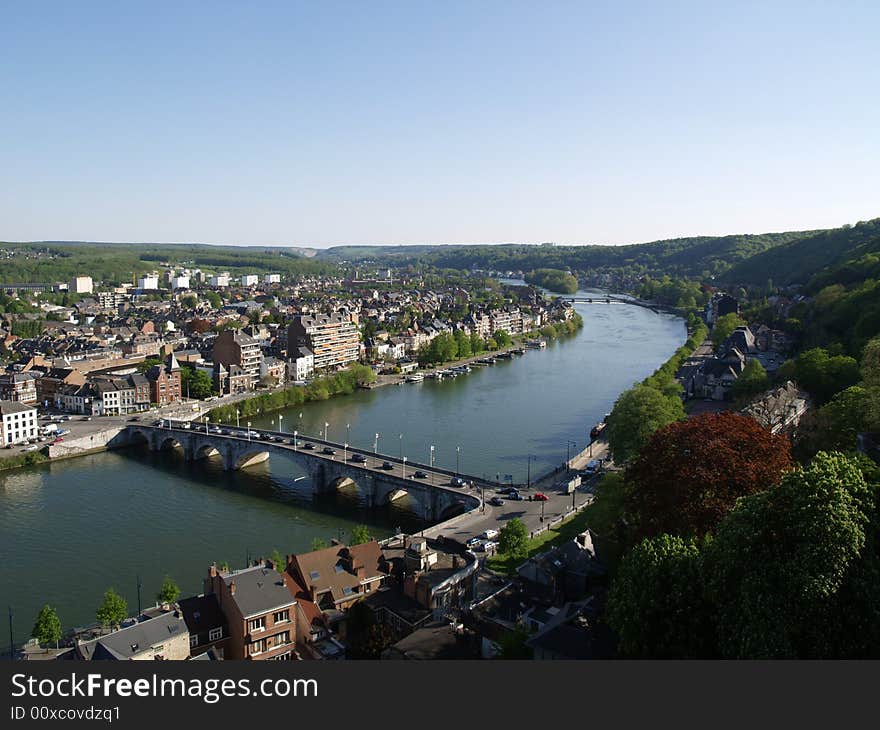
<point x="259" y="589"/>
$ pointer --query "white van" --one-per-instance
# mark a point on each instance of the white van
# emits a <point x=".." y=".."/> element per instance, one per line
<point x="490" y="534"/>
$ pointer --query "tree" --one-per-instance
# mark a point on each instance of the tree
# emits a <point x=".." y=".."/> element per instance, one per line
<point x="195" y="383"/>
<point x="114" y="610"/>
<point x="279" y="562"/>
<point x="47" y="628"/>
<point x="318" y="544"/>
<point x="639" y="412"/>
<point x="169" y="592"/>
<point x="836" y="425"/>
<point x="656" y="603"/>
<point x="781" y="556"/>
<point x="360" y="534"/>
<point x="689" y="474"/>
<point x="513" y="539"/>
<point x="464" y="344"/>
<point x="512" y="644"/>
<point x="822" y="374"/>
<point x="147" y="363"/>
<point x="751" y="381"/>
<point x="870" y="367"/>
<point x="502" y="338"/>
<point x="214" y="299"/>
<point x="724" y="326"/>
<point x="190" y="301"/>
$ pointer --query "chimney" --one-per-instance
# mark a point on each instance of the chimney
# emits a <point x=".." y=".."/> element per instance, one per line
<point x="212" y="571"/>
<point x="232" y="588"/>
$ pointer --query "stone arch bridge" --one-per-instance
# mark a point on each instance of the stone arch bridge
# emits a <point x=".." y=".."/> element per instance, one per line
<point x="379" y="478"/>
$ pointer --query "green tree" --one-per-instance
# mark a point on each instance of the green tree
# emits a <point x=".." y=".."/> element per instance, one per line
<point x="463" y="341"/>
<point x="751" y="381"/>
<point x="821" y="373"/>
<point x="836" y="425"/>
<point x="279" y="562"/>
<point x="656" y="603"/>
<point x="513" y="539"/>
<point x="214" y="299"/>
<point x="318" y="544"/>
<point x="114" y="610"/>
<point x="195" y="383"/>
<point x="360" y="534"/>
<point x="639" y="412"/>
<point x="169" y="592"/>
<point x="724" y="326"/>
<point x="870" y="366"/>
<point x="512" y="644"/>
<point x="47" y="629"/>
<point x="502" y="338"/>
<point x="782" y="555"/>
<point x="190" y="301"/>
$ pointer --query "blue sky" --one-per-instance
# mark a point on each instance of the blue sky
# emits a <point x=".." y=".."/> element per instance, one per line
<point x="435" y="122"/>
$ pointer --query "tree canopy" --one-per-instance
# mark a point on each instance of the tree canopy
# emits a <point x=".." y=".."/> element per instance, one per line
<point x="114" y="609"/>
<point x="513" y="539"/>
<point x="47" y="628"/>
<point x="690" y="473"/>
<point x="639" y="412"/>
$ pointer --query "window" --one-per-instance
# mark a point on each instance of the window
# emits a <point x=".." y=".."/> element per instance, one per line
<point x="215" y="634"/>
<point x="193" y="640"/>
<point x="285" y="657"/>
<point x="339" y="567"/>
<point x="314" y="575"/>
<point x="258" y="647"/>
<point x="347" y="590"/>
<point x="258" y="624"/>
<point x="281" y="616"/>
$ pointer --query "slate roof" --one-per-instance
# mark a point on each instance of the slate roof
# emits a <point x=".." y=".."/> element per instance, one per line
<point x="258" y="590"/>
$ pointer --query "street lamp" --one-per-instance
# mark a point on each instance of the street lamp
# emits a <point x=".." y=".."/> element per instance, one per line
<point x="345" y="452"/>
<point x="529" y="472"/>
<point x="249" y="430"/>
<point x="432" y="463"/>
<point x="326" y="426"/>
<point x="568" y="444"/>
<point x="376" y="444"/>
<point x="295" y="434"/>
<point x="404" y="467"/>
<point x="457" y="460"/>
<point x="401" y="446"/>
<point x="280" y="418"/>
<point x="348" y="432"/>
<point x="237" y="416"/>
<point x="205" y="419"/>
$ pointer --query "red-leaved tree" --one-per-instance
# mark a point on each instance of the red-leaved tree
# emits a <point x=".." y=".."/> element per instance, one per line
<point x="690" y="473"/>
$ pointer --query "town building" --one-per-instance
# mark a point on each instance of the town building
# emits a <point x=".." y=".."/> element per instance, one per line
<point x="149" y="282"/>
<point x="81" y="285"/>
<point x="208" y="628"/>
<point x="19" y="386"/>
<point x="333" y="339"/>
<point x="233" y="347"/>
<point x="18" y="422"/>
<point x="250" y="280"/>
<point x="180" y="282"/>
<point x="272" y="279"/>
<point x="301" y="365"/>
<point x="259" y="610"/>
<point x="164" y="637"/>
<point x="164" y="381"/>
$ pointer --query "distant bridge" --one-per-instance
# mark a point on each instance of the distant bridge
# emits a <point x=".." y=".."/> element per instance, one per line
<point x="380" y="478"/>
<point x="615" y="299"/>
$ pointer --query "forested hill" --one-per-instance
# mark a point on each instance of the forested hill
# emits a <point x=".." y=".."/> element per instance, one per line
<point x="800" y="260"/>
<point x="695" y="257"/>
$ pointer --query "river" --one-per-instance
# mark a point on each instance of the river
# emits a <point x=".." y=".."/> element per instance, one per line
<point x="69" y="530"/>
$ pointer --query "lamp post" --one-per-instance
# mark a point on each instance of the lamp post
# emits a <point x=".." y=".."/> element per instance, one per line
<point x="11" y="641"/>
<point x="542" y="510"/>
<point x="237" y="417"/>
<point x="401" y="446"/>
<point x="295" y="434"/>
<point x="205" y="419"/>
<point x="376" y="444"/>
<point x="139" y="585"/>
<point x="348" y="432"/>
<point x="457" y="460"/>
<point x="529" y="471"/>
<point x="345" y="452"/>
<point x="326" y="426"/>
<point x="404" y="467"/>
<point x="280" y="418"/>
<point x="568" y="444"/>
<point x="249" y="430"/>
<point x="431" y="461"/>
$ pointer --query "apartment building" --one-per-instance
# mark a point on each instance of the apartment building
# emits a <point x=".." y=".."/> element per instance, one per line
<point x="81" y="285"/>
<point x="18" y="422"/>
<point x="164" y="637"/>
<point x="250" y="280"/>
<point x="165" y="381"/>
<point x="148" y="282"/>
<point x="260" y="612"/>
<point x="233" y="347"/>
<point x="333" y="339"/>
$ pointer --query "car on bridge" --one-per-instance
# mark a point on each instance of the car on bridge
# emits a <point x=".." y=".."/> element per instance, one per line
<point x="308" y="446"/>
<point x="328" y="450"/>
<point x="459" y="482"/>
<point x="359" y="458"/>
<point x="420" y="475"/>
<point x="386" y="465"/>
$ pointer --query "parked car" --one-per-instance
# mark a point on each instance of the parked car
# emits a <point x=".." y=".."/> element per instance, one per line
<point x="31" y="448"/>
<point x="387" y="465"/>
<point x="515" y="496"/>
<point x="489" y="546"/>
<point x="135" y="418"/>
<point x="540" y="497"/>
<point x="489" y="534"/>
<point x="58" y="440"/>
<point x="506" y="490"/>
<point x="473" y="543"/>
<point x="420" y="475"/>
<point x="496" y="501"/>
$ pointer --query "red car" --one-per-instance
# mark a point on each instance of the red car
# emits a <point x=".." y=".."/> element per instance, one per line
<point x="540" y="497"/>
<point x="58" y="440"/>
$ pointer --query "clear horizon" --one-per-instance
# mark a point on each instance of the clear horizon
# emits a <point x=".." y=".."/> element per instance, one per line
<point x="405" y="123"/>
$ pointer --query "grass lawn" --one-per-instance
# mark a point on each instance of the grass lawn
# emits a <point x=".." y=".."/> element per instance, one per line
<point x="601" y="517"/>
